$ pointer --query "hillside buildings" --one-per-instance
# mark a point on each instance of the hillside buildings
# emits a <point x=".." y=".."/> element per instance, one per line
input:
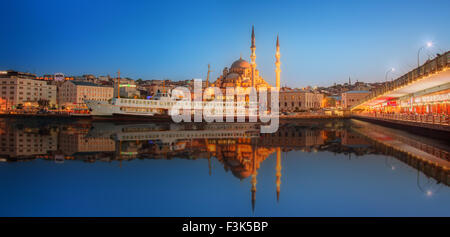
<point x="128" y="89"/>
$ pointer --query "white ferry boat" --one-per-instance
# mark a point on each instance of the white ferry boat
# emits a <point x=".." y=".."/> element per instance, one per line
<point x="132" y="107"/>
<point x="160" y="107"/>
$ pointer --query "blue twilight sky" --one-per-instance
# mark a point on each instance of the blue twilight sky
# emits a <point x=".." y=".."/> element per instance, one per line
<point x="322" y="42"/>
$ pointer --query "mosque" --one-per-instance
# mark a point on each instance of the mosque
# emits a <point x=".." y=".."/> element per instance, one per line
<point x="245" y="74"/>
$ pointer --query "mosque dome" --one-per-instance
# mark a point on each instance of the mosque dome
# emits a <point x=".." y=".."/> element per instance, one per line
<point x="232" y="75"/>
<point x="241" y="173"/>
<point x="240" y="63"/>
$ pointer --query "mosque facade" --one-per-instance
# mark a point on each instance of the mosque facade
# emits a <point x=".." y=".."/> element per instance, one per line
<point x="244" y="74"/>
<point x="240" y="75"/>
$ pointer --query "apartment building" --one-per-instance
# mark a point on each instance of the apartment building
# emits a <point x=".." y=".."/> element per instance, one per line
<point x="295" y="100"/>
<point x="22" y="89"/>
<point x="73" y="93"/>
<point x="351" y="98"/>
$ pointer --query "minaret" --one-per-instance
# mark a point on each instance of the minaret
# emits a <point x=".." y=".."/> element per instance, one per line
<point x="277" y="65"/>
<point x="278" y="174"/>
<point x="253" y="56"/>
<point x="118" y="83"/>
<point x="207" y="77"/>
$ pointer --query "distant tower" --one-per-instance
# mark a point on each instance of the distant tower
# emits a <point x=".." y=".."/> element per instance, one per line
<point x="59" y="77"/>
<point x="349" y="81"/>
<point x="277" y="65"/>
<point x="278" y="174"/>
<point x="118" y="83"/>
<point x="207" y="77"/>
<point x="253" y="56"/>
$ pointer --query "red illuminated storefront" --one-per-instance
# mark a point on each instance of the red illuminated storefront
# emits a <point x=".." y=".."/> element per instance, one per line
<point x="435" y="103"/>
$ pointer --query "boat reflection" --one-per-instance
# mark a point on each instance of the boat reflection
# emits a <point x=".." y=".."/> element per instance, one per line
<point x="239" y="148"/>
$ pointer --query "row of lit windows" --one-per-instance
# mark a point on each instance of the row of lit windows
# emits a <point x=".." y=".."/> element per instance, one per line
<point x="293" y="97"/>
<point x="86" y="94"/>
<point x="21" y="82"/>
<point x="310" y="104"/>
<point x="22" y="98"/>
<point x="29" y="93"/>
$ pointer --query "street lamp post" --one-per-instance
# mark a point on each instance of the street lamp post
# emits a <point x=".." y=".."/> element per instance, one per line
<point x="387" y="72"/>
<point x="429" y="44"/>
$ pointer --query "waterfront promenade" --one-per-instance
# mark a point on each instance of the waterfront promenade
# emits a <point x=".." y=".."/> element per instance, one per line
<point x="59" y="114"/>
<point x="429" y="121"/>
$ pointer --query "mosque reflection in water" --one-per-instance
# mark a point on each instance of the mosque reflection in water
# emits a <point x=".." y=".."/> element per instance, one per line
<point x="240" y="148"/>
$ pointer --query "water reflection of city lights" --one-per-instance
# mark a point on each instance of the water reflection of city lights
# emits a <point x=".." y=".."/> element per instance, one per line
<point x="388" y="163"/>
<point x="428" y="186"/>
<point x="238" y="148"/>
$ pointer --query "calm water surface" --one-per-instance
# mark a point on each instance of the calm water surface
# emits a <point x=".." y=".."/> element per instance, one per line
<point x="308" y="168"/>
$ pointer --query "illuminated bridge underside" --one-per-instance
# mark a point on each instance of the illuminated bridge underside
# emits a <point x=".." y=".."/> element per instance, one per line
<point x="420" y="98"/>
<point x="432" y="77"/>
<point x="434" y="80"/>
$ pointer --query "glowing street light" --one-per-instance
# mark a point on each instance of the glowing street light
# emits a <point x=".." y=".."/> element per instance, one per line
<point x="387" y="72"/>
<point x="428" y="45"/>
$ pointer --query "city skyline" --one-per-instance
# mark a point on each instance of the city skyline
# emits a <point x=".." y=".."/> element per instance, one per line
<point x="320" y="43"/>
<point x="222" y="109"/>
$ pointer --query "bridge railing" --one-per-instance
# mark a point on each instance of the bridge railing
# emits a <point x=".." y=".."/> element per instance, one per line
<point x="435" y="65"/>
<point x="418" y="118"/>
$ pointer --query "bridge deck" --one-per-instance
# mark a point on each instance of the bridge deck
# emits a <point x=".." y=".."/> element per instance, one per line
<point x="431" y="74"/>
